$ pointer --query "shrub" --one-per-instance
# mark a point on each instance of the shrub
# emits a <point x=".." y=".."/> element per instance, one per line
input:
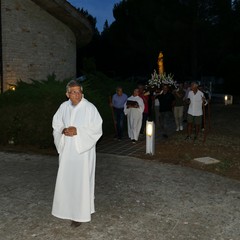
<point x="26" y="114"/>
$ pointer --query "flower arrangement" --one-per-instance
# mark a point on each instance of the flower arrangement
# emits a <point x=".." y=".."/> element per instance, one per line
<point x="157" y="80"/>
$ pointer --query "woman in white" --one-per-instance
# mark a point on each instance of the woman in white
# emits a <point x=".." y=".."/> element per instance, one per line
<point x="134" y="108"/>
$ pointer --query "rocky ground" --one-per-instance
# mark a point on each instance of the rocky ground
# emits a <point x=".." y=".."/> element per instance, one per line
<point x="221" y="141"/>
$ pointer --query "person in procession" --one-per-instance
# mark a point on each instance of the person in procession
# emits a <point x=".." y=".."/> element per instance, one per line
<point x="77" y="126"/>
<point x="179" y="95"/>
<point x="118" y="101"/>
<point x="134" y="108"/>
<point x="166" y="103"/>
<point x="195" y="100"/>
<point x="145" y="97"/>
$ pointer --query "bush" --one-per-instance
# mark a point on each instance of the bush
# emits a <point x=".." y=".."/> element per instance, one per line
<point x="26" y="114"/>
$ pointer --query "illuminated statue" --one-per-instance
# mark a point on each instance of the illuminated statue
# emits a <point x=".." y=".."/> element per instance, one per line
<point x="160" y="64"/>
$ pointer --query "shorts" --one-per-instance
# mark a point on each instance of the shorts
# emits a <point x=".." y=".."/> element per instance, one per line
<point x="194" y="119"/>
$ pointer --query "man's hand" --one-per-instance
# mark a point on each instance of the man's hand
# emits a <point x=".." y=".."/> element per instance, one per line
<point x="70" y="131"/>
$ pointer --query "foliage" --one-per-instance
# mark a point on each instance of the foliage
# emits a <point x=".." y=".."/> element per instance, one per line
<point x="198" y="38"/>
<point x="26" y="114"/>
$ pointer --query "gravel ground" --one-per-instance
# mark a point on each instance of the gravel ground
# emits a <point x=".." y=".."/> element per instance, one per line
<point x="135" y="199"/>
<point x="221" y="140"/>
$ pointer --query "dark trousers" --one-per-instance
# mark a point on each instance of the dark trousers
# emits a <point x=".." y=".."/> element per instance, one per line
<point x="119" y="116"/>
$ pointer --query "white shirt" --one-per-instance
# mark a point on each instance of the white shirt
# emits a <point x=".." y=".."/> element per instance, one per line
<point x="195" y="106"/>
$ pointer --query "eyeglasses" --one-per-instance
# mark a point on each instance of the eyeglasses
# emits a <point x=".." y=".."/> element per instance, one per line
<point x="75" y="92"/>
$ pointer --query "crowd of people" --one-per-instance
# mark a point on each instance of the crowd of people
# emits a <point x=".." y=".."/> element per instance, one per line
<point x="168" y="106"/>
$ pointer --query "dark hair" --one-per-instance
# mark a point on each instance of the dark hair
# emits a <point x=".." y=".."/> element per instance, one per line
<point x="119" y="87"/>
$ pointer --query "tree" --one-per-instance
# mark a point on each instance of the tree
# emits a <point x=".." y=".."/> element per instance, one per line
<point x="198" y="38"/>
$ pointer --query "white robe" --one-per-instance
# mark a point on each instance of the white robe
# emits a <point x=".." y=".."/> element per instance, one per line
<point x="134" y="117"/>
<point x="75" y="183"/>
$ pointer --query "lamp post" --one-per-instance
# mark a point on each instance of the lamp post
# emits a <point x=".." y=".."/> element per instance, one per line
<point x="228" y="99"/>
<point x="150" y="137"/>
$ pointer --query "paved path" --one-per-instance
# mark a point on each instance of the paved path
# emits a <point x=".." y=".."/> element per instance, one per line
<point x="125" y="147"/>
<point x="135" y="200"/>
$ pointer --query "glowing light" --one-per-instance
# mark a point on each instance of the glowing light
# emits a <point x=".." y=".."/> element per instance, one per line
<point x="228" y="99"/>
<point x="12" y="87"/>
<point x="150" y="137"/>
<point x="149" y="130"/>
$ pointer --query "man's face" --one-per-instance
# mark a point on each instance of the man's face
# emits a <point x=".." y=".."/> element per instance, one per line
<point x="74" y="94"/>
<point x="194" y="87"/>
<point x="119" y="92"/>
<point x="136" y="92"/>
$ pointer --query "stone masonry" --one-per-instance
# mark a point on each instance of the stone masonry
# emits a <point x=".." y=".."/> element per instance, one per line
<point x="35" y="44"/>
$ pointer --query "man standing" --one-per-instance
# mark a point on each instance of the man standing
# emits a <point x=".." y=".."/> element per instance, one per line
<point x="77" y="126"/>
<point x="133" y="108"/>
<point x="166" y="102"/>
<point x="179" y="95"/>
<point x="118" y="101"/>
<point x="195" y="99"/>
<point x="145" y="97"/>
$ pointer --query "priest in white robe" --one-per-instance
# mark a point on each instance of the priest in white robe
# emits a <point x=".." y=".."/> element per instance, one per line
<point x="134" y="108"/>
<point x="77" y="126"/>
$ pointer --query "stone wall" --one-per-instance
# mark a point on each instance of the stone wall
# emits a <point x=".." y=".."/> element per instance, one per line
<point x="34" y="44"/>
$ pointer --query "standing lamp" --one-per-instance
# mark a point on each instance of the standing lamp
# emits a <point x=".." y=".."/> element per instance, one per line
<point x="228" y="99"/>
<point x="150" y="137"/>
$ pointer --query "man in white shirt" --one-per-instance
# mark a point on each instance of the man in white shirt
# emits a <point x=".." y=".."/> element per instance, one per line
<point x="195" y="99"/>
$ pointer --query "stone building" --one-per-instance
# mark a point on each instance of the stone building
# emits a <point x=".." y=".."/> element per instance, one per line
<point x="39" y="38"/>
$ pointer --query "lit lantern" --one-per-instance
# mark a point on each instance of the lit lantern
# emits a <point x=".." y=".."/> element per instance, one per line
<point x="149" y="129"/>
<point x="12" y="87"/>
<point x="150" y="137"/>
<point x="228" y="99"/>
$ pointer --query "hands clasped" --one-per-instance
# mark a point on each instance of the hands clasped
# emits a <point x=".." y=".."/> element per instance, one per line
<point x="70" y="131"/>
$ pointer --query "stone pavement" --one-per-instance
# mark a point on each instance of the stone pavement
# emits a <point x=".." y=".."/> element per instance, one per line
<point x="136" y="199"/>
<point x="125" y="147"/>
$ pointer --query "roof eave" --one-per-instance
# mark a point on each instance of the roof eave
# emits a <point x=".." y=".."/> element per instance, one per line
<point x="69" y="15"/>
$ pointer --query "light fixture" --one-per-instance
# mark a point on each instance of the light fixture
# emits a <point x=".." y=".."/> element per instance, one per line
<point x="149" y="128"/>
<point x="12" y="87"/>
<point x="228" y="99"/>
<point x="150" y="137"/>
